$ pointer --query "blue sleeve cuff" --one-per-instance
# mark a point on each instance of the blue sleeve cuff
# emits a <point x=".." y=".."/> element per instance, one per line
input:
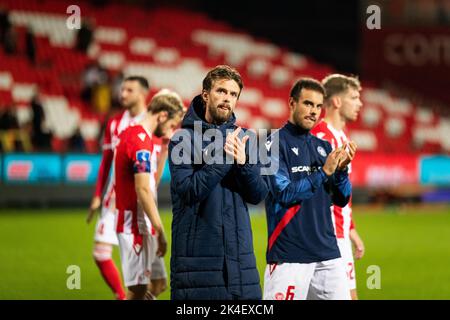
<point x="341" y="175"/>
<point x="317" y="179"/>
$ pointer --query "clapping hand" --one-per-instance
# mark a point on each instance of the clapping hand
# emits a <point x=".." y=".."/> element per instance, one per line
<point x="235" y="147"/>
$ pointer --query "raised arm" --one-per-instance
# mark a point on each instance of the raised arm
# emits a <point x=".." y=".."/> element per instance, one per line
<point x="288" y="192"/>
<point x="253" y="188"/>
<point x="190" y="183"/>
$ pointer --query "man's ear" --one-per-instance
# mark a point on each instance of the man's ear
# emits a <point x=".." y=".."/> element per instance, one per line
<point x="205" y="96"/>
<point x="337" y="101"/>
<point x="291" y="103"/>
<point x="163" y="116"/>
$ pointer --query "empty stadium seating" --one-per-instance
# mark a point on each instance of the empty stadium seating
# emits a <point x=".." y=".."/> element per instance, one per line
<point x="177" y="56"/>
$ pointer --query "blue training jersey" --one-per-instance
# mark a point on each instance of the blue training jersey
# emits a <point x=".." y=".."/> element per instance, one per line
<point x="299" y="221"/>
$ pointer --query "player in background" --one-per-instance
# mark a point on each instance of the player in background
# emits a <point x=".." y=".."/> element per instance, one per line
<point x="134" y="92"/>
<point x="342" y="104"/>
<point x="158" y="161"/>
<point x="138" y="225"/>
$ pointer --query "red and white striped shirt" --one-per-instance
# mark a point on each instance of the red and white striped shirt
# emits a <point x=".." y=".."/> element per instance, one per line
<point x="342" y="217"/>
<point x="114" y="127"/>
<point x="132" y="156"/>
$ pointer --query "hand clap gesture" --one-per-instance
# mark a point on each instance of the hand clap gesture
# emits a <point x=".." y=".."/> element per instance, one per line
<point x="235" y="147"/>
<point x="349" y="156"/>
<point x="339" y="158"/>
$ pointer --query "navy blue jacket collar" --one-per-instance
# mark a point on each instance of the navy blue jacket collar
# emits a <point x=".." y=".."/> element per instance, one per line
<point x="297" y="131"/>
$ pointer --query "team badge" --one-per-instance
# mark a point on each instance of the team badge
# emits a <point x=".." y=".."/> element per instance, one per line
<point x="143" y="155"/>
<point x="279" y="296"/>
<point x="321" y="151"/>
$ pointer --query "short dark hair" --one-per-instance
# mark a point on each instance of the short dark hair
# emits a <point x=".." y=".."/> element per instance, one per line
<point x="338" y="83"/>
<point x="142" y="81"/>
<point x="222" y="72"/>
<point x="306" y="83"/>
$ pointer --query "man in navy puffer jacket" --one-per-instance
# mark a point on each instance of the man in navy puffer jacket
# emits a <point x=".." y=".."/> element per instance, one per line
<point x="212" y="247"/>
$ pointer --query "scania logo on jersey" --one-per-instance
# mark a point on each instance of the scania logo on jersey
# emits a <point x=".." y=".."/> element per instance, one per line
<point x="307" y="169"/>
<point x="19" y="170"/>
<point x="78" y="170"/>
<point x="321" y="151"/>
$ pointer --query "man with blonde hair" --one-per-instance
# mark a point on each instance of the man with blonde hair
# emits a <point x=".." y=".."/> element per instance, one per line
<point x="342" y="105"/>
<point x="139" y="228"/>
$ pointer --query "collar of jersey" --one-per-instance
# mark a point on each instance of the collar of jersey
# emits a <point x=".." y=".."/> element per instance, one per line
<point x="297" y="131"/>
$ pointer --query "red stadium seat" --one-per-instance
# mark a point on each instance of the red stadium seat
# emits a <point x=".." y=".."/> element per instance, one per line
<point x="149" y="42"/>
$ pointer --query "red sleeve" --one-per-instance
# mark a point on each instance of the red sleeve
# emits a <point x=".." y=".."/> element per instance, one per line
<point x="105" y="165"/>
<point x="103" y="172"/>
<point x="107" y="141"/>
<point x="352" y="224"/>
<point x="140" y="154"/>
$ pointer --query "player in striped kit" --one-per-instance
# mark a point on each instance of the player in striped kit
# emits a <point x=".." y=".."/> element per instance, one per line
<point x="138" y="225"/>
<point x="133" y="96"/>
<point x="342" y="103"/>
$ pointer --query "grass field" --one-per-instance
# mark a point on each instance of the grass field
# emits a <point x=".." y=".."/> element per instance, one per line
<point x="411" y="247"/>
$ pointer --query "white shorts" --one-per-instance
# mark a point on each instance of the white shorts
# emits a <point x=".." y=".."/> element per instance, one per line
<point x="325" y="280"/>
<point x="105" y="229"/>
<point x="136" y="260"/>
<point x="345" y="246"/>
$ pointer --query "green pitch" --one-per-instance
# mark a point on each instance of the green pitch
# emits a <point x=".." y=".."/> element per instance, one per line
<point x="410" y="246"/>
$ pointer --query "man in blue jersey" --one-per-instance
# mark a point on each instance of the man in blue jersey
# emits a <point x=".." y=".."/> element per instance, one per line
<point x="303" y="258"/>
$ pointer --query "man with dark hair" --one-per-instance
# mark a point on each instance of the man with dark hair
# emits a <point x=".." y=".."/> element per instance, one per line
<point x="303" y="259"/>
<point x="139" y="79"/>
<point x="133" y="97"/>
<point x="212" y="247"/>
<point x="343" y="103"/>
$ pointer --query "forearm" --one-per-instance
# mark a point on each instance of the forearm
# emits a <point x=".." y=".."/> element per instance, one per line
<point x="303" y="189"/>
<point x="145" y="198"/>
<point x="341" y="188"/>
<point x="192" y="183"/>
<point x="354" y="236"/>
<point x="103" y="172"/>
<point x="251" y="184"/>
<point x="161" y="164"/>
<point x="194" y="186"/>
